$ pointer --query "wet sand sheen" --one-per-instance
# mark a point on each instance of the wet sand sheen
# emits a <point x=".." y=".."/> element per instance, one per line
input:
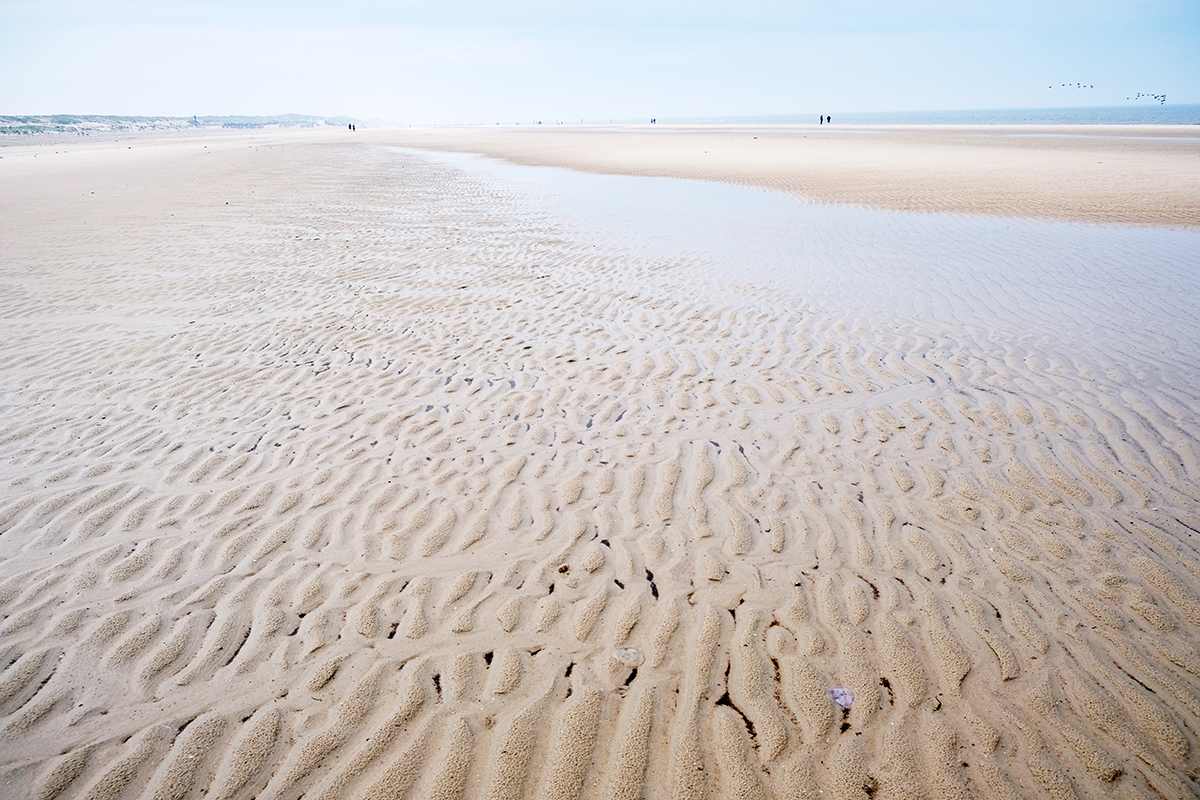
<point x="1133" y="174"/>
<point x="357" y="485"/>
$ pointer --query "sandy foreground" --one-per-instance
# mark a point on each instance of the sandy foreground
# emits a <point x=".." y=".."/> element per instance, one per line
<point x="335" y="469"/>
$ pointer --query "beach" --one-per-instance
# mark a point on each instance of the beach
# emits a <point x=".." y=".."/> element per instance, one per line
<point x="1132" y="174"/>
<point x="601" y="463"/>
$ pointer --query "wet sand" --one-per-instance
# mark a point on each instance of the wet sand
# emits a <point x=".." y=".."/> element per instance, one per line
<point x="334" y="469"/>
<point x="1133" y="174"/>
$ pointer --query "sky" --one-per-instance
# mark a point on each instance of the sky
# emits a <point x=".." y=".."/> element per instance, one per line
<point x="469" y="61"/>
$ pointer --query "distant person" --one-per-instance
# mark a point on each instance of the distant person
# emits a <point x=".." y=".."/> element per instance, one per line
<point x="822" y="119"/>
<point x="829" y="120"/>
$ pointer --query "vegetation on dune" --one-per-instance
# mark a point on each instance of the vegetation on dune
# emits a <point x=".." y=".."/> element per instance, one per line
<point x="102" y="123"/>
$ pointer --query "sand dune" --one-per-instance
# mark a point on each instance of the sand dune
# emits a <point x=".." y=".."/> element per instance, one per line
<point x="331" y="470"/>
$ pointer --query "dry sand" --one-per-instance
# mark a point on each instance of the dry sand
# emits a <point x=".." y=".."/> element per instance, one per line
<point x="334" y="470"/>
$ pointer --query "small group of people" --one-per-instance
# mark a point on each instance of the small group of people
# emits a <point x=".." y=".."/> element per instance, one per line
<point x="825" y="119"/>
<point x="352" y="127"/>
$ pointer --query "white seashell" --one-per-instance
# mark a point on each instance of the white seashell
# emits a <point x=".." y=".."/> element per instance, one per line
<point x="628" y="656"/>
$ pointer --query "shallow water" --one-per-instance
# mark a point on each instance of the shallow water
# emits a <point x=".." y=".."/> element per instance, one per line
<point x="1132" y="290"/>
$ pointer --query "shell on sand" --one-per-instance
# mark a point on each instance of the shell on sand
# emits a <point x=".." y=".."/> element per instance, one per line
<point x="629" y="656"/>
<point x="373" y="481"/>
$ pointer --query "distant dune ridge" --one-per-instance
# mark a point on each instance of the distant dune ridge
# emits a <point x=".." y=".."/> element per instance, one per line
<point x="332" y="469"/>
<point x="93" y="123"/>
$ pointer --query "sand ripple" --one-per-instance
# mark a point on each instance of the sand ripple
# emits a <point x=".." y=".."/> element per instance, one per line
<point x="352" y="488"/>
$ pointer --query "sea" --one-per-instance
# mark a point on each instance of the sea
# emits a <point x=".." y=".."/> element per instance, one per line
<point x="1156" y="114"/>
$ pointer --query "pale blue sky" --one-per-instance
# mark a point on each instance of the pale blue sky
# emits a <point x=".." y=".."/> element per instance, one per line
<point x="519" y="60"/>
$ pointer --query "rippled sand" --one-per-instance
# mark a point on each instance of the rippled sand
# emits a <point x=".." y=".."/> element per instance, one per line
<point x="331" y="469"/>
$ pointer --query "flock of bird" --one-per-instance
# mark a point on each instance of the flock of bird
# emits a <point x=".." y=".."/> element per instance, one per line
<point x="1161" y="98"/>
